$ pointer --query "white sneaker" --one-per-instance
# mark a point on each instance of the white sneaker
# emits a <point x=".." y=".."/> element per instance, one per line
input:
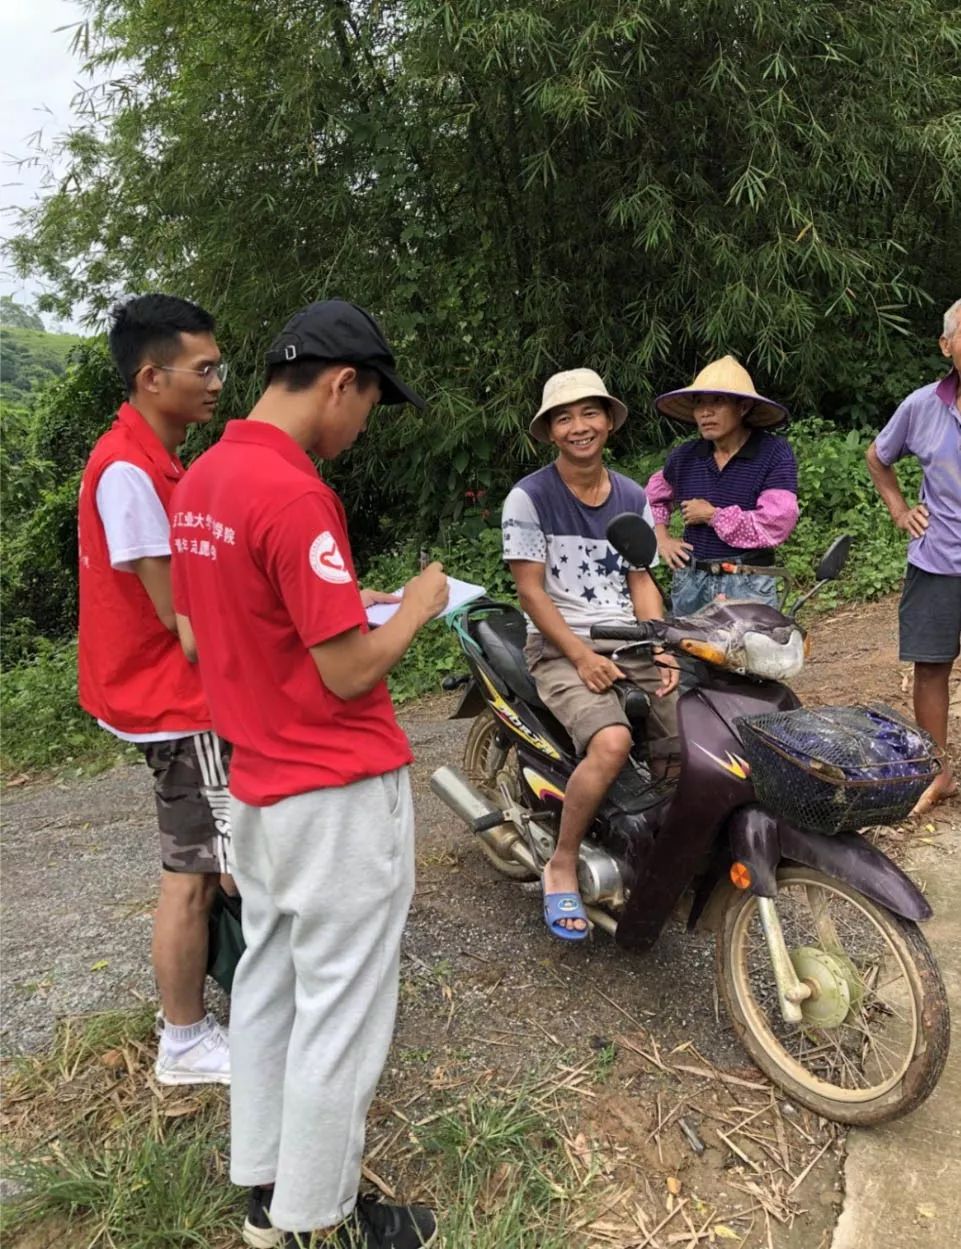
<point x="206" y="1062"/>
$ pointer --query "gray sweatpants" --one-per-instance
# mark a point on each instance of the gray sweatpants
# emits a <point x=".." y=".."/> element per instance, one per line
<point x="326" y="878"/>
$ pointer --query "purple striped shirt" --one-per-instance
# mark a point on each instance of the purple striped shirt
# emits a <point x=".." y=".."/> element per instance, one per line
<point x="755" y="495"/>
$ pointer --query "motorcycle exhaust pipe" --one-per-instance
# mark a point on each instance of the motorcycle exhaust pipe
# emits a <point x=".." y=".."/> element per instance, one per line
<point x="486" y="820"/>
<point x="484" y="817"/>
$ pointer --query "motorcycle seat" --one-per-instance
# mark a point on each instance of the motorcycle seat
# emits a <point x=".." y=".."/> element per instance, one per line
<point x="502" y="637"/>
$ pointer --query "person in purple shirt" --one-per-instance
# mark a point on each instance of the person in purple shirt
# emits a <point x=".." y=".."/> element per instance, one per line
<point x="735" y="485"/>
<point x="928" y="425"/>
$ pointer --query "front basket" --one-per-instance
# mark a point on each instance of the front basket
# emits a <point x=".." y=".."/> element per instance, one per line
<point x="837" y="769"/>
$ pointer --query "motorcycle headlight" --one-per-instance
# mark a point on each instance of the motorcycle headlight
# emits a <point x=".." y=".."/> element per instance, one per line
<point x="774" y="661"/>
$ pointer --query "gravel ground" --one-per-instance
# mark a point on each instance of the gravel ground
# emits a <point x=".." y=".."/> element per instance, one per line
<point x="484" y="987"/>
<point x="488" y="998"/>
<point x="80" y="875"/>
<point x="79" y="883"/>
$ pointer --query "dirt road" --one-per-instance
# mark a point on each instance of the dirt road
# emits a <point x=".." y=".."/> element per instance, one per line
<point x="485" y="987"/>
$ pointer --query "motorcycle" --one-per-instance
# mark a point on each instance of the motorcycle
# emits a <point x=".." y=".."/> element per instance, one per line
<point x="826" y="977"/>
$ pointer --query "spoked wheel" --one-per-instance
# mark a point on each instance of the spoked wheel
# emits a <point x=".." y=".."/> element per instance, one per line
<point x="488" y="765"/>
<point x="874" y="1035"/>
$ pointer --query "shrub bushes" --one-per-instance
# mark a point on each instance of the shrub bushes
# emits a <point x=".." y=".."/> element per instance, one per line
<point x="43" y="725"/>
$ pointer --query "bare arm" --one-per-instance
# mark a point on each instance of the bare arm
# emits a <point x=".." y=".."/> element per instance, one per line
<point x="596" y="671"/>
<point x="352" y="663"/>
<point x="648" y="605"/>
<point x="188" y="642"/>
<point x="154" y="574"/>
<point x="534" y="599"/>
<point x="645" y="596"/>
<point x="913" y="520"/>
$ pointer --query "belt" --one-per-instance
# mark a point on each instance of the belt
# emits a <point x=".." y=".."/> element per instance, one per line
<point x="720" y="566"/>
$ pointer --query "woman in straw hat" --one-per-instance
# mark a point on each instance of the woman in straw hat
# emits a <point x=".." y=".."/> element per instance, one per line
<point x="735" y="485"/>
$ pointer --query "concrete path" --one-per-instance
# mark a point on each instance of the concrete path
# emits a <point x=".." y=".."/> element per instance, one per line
<point x="903" y="1180"/>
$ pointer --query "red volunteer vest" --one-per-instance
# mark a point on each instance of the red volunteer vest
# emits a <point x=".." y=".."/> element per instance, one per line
<point x="132" y="673"/>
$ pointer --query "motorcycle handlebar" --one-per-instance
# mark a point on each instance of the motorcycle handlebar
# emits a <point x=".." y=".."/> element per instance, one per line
<point x="622" y="633"/>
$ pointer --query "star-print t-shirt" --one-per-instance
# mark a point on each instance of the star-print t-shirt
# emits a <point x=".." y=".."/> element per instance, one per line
<point x="545" y="522"/>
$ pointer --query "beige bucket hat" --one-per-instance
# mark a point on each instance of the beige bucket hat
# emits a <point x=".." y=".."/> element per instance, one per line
<point x="572" y="387"/>
<point x="722" y="377"/>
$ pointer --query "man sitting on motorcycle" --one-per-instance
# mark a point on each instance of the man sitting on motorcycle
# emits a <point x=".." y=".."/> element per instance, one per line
<point x="735" y="485"/>
<point x="569" y="578"/>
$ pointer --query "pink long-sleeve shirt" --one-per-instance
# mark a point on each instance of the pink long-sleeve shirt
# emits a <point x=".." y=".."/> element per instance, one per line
<point x="755" y="495"/>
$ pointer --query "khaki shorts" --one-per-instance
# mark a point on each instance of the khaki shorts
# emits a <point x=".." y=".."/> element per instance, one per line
<point x="584" y="713"/>
<point x="193" y="806"/>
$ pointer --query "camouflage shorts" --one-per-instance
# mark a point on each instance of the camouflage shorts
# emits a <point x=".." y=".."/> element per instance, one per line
<point x="193" y="805"/>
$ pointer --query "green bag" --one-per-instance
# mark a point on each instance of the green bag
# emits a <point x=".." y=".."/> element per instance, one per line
<point x="225" y="939"/>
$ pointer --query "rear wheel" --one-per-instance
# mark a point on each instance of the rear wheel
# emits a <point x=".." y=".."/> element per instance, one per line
<point x="489" y="765"/>
<point x="874" y="1035"/>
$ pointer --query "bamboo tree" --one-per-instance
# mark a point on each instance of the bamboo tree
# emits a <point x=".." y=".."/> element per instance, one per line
<point x="520" y="186"/>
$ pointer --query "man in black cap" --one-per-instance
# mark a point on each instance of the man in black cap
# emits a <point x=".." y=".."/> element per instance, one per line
<point x="323" y="836"/>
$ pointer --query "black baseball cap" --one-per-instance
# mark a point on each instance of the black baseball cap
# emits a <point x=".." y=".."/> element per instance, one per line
<point x="335" y="330"/>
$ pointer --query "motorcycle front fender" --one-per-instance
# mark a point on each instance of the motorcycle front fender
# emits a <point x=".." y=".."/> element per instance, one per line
<point x="851" y="858"/>
<point x="760" y="842"/>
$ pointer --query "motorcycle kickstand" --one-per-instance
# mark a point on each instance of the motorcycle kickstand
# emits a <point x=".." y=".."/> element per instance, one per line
<point x="791" y="991"/>
<point x="538" y="846"/>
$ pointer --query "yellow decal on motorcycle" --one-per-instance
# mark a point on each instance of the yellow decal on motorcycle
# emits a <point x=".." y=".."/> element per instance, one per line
<point x="542" y="787"/>
<point x="513" y="721"/>
<point x="734" y="763"/>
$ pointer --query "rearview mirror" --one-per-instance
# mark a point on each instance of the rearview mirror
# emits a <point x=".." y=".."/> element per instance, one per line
<point x="631" y="536"/>
<point x="833" y="559"/>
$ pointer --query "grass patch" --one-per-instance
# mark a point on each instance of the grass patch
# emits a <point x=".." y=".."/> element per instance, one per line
<point x="43" y="725"/>
<point x="139" y="1192"/>
<point x="565" y="1153"/>
<point x="505" y="1166"/>
<point x="82" y="1038"/>
<point x="96" y="1151"/>
<point x="98" y="1154"/>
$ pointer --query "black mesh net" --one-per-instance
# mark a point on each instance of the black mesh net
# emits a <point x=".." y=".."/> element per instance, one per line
<point x="836" y="769"/>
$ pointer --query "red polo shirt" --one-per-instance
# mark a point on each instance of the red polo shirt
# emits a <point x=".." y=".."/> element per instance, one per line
<point x="132" y="673"/>
<point x="262" y="567"/>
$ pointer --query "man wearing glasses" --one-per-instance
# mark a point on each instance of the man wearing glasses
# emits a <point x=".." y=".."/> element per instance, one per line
<point x="133" y="675"/>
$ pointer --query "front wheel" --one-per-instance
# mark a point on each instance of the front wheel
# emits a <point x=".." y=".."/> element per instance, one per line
<point x="874" y="1035"/>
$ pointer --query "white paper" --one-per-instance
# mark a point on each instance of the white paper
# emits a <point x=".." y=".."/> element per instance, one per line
<point x="459" y="593"/>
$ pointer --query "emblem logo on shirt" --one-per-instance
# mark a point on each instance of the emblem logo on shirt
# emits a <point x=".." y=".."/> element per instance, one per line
<point x="326" y="559"/>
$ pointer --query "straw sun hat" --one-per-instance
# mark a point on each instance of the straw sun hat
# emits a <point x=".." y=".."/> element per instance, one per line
<point x="572" y="387"/>
<point x="722" y="377"/>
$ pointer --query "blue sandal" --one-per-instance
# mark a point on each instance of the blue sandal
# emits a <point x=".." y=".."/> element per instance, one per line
<point x="561" y="906"/>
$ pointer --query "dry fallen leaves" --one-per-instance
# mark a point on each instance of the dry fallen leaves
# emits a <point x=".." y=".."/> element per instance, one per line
<point x="179" y="1110"/>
